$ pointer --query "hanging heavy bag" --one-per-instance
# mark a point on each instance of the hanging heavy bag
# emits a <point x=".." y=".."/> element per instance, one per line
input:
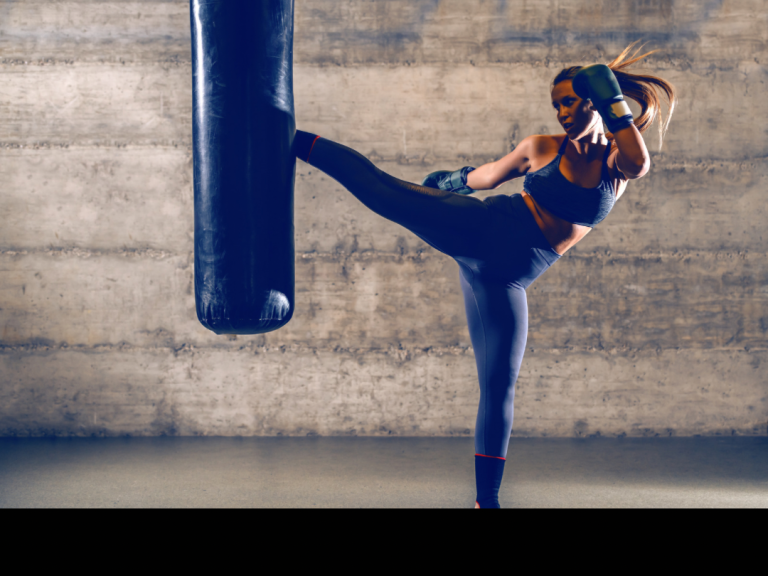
<point x="243" y="127"/>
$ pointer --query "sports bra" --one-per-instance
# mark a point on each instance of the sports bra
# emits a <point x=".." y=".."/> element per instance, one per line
<point x="566" y="200"/>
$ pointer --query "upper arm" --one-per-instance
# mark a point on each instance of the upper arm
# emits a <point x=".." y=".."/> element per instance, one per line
<point x="515" y="164"/>
<point x="620" y="179"/>
<point x="630" y="160"/>
<point x="612" y="163"/>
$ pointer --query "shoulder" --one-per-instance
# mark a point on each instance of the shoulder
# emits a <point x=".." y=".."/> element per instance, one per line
<point x="542" y="144"/>
<point x="528" y="154"/>
<point x="542" y="149"/>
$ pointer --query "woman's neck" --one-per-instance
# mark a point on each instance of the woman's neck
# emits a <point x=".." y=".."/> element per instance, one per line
<point x="591" y="144"/>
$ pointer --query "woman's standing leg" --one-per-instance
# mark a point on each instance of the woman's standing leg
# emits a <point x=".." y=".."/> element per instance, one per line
<point x="497" y="315"/>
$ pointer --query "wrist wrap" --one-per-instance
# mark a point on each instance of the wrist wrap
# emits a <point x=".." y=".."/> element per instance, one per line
<point x="616" y="115"/>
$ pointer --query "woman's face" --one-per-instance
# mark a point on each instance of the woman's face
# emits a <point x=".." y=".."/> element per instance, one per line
<point x="576" y="116"/>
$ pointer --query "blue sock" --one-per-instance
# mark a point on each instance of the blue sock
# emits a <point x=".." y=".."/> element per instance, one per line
<point x="488" y="473"/>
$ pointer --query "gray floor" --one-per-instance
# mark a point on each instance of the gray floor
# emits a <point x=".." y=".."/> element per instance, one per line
<point x="379" y="472"/>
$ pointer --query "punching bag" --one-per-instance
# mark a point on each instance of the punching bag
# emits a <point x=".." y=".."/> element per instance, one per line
<point x="242" y="132"/>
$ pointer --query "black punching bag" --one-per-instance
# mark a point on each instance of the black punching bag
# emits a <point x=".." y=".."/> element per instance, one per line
<point x="242" y="131"/>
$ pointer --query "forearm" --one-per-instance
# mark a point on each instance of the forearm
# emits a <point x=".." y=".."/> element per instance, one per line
<point x="633" y="158"/>
<point x="483" y="178"/>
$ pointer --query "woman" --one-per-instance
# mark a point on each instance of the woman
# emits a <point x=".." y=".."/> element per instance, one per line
<point x="502" y="244"/>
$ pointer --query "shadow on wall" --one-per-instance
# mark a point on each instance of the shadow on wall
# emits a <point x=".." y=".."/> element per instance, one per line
<point x="671" y="23"/>
<point x="502" y="31"/>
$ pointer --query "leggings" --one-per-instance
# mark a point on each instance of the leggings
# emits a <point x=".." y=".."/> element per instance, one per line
<point x="500" y="251"/>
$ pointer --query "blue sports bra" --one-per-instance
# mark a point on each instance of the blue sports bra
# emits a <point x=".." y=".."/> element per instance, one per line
<point x="575" y="204"/>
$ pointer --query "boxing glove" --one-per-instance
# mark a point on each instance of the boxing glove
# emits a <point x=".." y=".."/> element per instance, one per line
<point x="455" y="182"/>
<point x="598" y="83"/>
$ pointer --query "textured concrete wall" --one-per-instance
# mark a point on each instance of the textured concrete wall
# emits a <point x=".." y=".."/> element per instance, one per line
<point x="655" y="324"/>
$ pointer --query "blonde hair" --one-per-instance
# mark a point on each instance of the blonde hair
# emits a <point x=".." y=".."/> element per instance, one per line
<point x="643" y="89"/>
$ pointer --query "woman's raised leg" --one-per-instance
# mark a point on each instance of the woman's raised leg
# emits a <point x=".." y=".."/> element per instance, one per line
<point x="452" y="223"/>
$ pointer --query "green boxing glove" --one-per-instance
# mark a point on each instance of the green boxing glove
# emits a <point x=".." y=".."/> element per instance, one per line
<point x="455" y="182"/>
<point x="598" y="83"/>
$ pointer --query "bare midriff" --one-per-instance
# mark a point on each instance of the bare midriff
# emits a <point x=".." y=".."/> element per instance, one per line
<point x="561" y="234"/>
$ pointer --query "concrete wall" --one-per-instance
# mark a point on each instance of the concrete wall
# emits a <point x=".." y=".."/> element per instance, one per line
<point x="655" y="324"/>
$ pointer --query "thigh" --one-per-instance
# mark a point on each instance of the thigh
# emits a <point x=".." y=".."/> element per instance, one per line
<point x="497" y="316"/>
<point x="454" y="224"/>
